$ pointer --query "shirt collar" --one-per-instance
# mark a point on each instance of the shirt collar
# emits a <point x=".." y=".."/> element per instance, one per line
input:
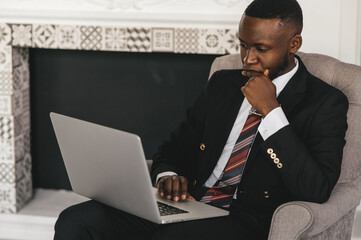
<point x="281" y="81"/>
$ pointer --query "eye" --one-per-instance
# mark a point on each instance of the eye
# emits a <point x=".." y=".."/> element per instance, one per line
<point x="262" y="50"/>
<point x="243" y="45"/>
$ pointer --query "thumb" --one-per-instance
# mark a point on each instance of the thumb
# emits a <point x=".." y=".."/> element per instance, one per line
<point x="266" y="72"/>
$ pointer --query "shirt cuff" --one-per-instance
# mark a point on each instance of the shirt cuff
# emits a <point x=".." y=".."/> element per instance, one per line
<point x="274" y="121"/>
<point x="164" y="174"/>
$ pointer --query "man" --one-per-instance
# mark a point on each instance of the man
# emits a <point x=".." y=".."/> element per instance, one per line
<point x="253" y="140"/>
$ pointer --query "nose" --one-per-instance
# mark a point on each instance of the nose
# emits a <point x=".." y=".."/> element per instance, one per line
<point x="251" y="57"/>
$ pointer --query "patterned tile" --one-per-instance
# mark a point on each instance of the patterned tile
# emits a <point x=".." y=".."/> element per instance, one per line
<point x="27" y="144"/>
<point x="115" y="39"/>
<point x="7" y="197"/>
<point x="7" y="173"/>
<point x="27" y="165"/>
<point x="44" y="36"/>
<point x="6" y="86"/>
<point x="163" y="39"/>
<point x="25" y="121"/>
<point x="5" y="34"/>
<point x="17" y="103"/>
<point x="90" y="37"/>
<point x="18" y="125"/>
<point x="6" y="128"/>
<point x="19" y="170"/>
<point x="21" y="35"/>
<point x="231" y="42"/>
<point x="68" y="37"/>
<point x="211" y="41"/>
<point x="5" y="105"/>
<point x="5" y="58"/>
<point x="26" y="99"/>
<point x="19" y="147"/>
<point x="7" y="208"/>
<point x="24" y="191"/>
<point x="18" y="78"/>
<point x="139" y="39"/>
<point x="7" y="150"/>
<point x="186" y="40"/>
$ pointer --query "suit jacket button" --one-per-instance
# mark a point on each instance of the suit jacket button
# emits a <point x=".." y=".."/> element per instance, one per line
<point x="202" y="146"/>
<point x="273" y="155"/>
<point x="279" y="165"/>
<point x="266" y="194"/>
<point x="270" y="151"/>
<point x="276" y="160"/>
<point x="194" y="183"/>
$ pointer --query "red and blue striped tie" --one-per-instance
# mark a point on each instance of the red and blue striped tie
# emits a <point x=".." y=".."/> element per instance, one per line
<point x="221" y="194"/>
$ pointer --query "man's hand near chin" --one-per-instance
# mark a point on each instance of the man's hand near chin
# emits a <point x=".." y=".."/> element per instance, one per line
<point x="260" y="92"/>
<point x="174" y="188"/>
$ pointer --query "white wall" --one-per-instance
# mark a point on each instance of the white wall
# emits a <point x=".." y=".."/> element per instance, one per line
<point x="331" y="27"/>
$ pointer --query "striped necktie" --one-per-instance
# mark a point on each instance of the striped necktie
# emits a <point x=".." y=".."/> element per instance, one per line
<point x="221" y="194"/>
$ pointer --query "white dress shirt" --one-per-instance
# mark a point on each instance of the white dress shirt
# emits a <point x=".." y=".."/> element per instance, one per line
<point x="274" y="121"/>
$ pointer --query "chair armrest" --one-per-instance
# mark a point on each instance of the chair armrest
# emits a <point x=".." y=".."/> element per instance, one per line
<point x="303" y="219"/>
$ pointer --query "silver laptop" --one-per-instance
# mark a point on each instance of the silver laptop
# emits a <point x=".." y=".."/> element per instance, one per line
<point x="109" y="166"/>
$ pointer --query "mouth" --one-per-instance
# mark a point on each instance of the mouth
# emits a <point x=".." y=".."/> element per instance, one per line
<point x="251" y="70"/>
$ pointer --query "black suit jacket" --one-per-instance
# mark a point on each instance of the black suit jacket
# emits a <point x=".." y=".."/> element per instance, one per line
<point x="309" y="148"/>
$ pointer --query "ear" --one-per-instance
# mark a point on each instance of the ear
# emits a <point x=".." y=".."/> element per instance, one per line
<point x="295" y="44"/>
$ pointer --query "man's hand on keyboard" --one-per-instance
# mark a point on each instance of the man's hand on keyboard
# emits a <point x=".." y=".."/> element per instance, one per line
<point x="173" y="187"/>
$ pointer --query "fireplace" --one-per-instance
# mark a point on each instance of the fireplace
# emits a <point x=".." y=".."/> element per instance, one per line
<point x="185" y="44"/>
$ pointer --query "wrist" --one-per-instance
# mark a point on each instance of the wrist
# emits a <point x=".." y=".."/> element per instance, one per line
<point x="269" y="109"/>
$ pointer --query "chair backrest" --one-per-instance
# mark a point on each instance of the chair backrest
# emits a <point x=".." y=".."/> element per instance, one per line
<point x="347" y="78"/>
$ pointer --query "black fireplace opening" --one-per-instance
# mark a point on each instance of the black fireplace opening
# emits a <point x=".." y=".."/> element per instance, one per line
<point x="143" y="93"/>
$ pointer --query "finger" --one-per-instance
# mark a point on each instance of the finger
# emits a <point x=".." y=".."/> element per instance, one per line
<point x="266" y="72"/>
<point x="160" y="187"/>
<point x="168" y="187"/>
<point x="190" y="197"/>
<point x="183" y="187"/>
<point x="175" y="188"/>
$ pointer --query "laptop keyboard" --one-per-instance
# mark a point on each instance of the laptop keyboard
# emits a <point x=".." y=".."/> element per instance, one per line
<point x="166" y="210"/>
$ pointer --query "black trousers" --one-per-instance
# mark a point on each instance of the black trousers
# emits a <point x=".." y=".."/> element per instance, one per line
<point x="94" y="221"/>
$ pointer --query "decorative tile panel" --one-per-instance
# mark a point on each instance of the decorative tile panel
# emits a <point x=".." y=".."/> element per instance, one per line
<point x="231" y="42"/>
<point x="7" y="150"/>
<point x="115" y="39"/>
<point x="19" y="146"/>
<point x="186" y="40"/>
<point x="6" y="128"/>
<point x="5" y="58"/>
<point x="212" y="41"/>
<point x="44" y="36"/>
<point x="5" y="34"/>
<point x="163" y="39"/>
<point x="68" y="37"/>
<point x="90" y="37"/>
<point x="5" y="82"/>
<point x="7" y="198"/>
<point x="7" y="173"/>
<point x="24" y="191"/>
<point x="18" y="124"/>
<point x="17" y="103"/>
<point x="5" y="105"/>
<point x="21" y="35"/>
<point x="139" y="39"/>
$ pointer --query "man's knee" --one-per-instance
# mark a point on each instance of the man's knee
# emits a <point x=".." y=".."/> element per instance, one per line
<point x="74" y="223"/>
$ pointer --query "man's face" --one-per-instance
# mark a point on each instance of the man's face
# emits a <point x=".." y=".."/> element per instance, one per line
<point x="265" y="45"/>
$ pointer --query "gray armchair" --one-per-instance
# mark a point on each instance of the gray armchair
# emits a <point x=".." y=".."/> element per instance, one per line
<point x="333" y="219"/>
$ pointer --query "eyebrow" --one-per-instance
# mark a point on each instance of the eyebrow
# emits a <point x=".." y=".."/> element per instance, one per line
<point x="256" y="44"/>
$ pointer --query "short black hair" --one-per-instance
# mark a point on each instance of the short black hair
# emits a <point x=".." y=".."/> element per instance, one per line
<point x="288" y="11"/>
